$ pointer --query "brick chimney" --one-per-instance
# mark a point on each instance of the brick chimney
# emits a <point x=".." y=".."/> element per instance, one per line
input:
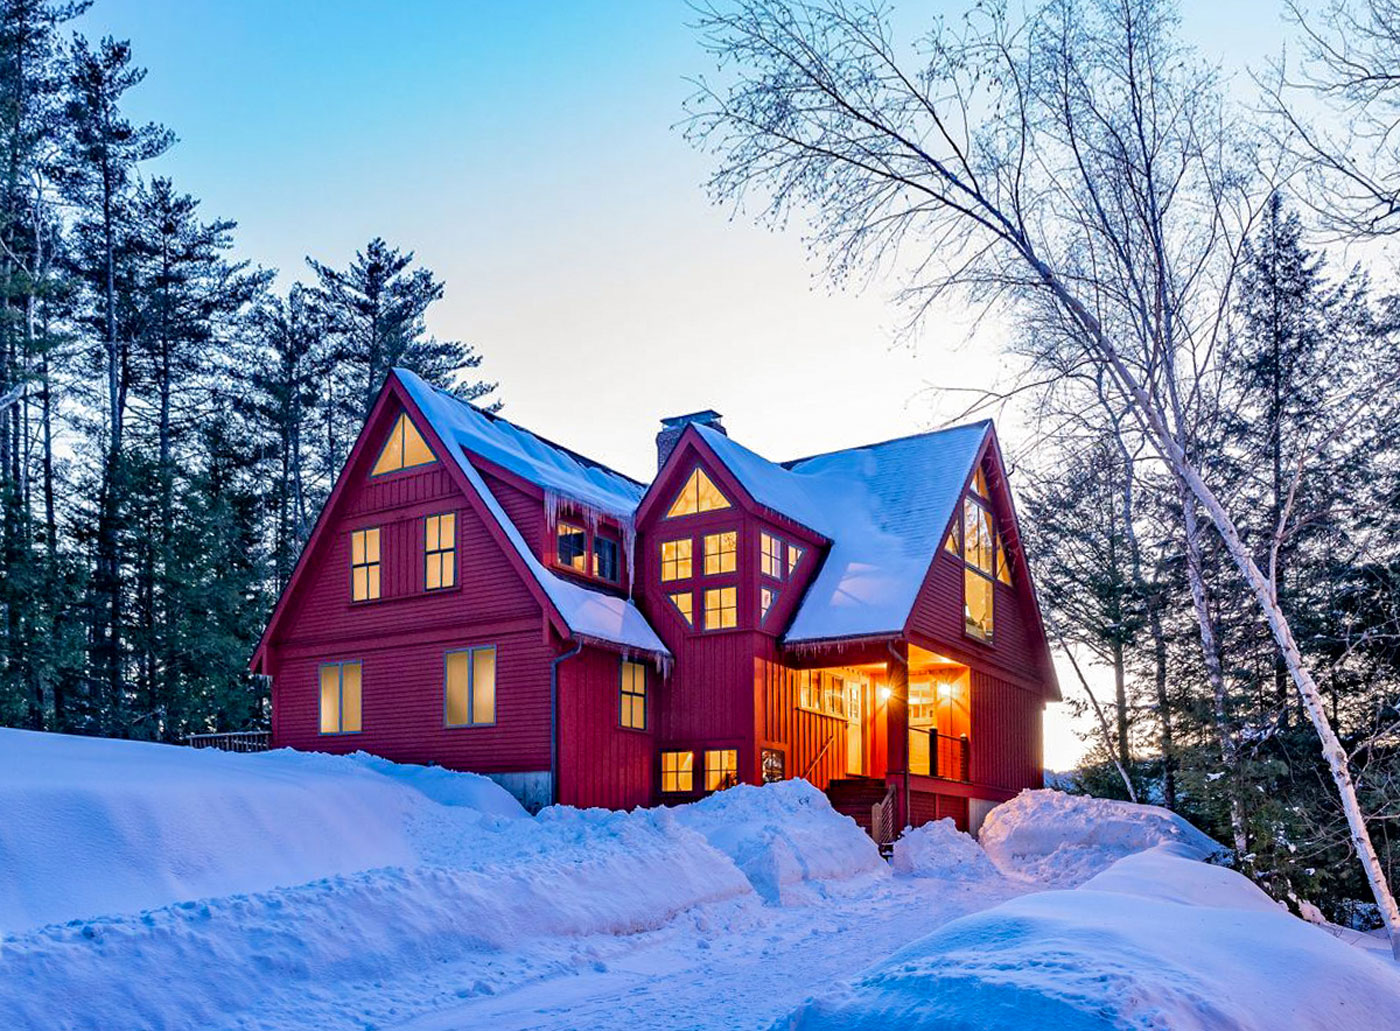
<point x="674" y="426"/>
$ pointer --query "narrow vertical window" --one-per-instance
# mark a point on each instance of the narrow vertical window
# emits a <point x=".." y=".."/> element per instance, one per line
<point x="1003" y="566"/>
<point x="721" y="608"/>
<point x="570" y="547"/>
<point x="981" y="552"/>
<point x="676" y="559"/>
<point x="605" y="552"/>
<point x="440" y="550"/>
<point x="684" y="602"/>
<point x="770" y="556"/>
<point x="677" y="771"/>
<point x="721" y="769"/>
<point x="634" y="696"/>
<point x="470" y="687"/>
<point x="364" y="565"/>
<point x="766" y="597"/>
<point x="721" y="551"/>
<point x="340" y="698"/>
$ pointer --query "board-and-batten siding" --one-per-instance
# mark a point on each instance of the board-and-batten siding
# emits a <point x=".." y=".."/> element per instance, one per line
<point x="814" y="743"/>
<point x="600" y="761"/>
<point x="1006" y="722"/>
<point x="402" y="638"/>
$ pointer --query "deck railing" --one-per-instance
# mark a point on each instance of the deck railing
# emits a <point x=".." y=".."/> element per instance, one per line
<point x="884" y="820"/>
<point x="943" y="756"/>
<point x="232" y="741"/>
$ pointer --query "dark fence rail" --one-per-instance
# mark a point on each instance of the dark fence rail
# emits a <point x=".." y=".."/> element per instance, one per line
<point x="943" y="756"/>
<point x="232" y="741"/>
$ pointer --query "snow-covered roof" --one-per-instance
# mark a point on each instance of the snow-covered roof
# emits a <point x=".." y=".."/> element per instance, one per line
<point x="884" y="507"/>
<point x="558" y="470"/>
<point x="587" y="613"/>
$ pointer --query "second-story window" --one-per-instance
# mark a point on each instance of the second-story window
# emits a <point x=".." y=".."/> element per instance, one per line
<point x="605" y="554"/>
<point x="684" y="602"/>
<point x="766" y="597"/>
<point x="572" y="547"/>
<point x="364" y="564"/>
<point x="440" y="551"/>
<point x="634" y="696"/>
<point x="770" y="556"/>
<point x="676" y="559"/>
<point x="721" y="552"/>
<point x="721" y="608"/>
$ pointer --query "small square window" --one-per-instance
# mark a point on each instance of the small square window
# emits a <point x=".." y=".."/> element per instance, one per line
<point x="721" y="552"/>
<point x="721" y="608"/>
<point x="364" y="565"/>
<point x="677" y="771"/>
<point x="721" y="769"/>
<point x="570" y="547"/>
<point x="676" y="559"/>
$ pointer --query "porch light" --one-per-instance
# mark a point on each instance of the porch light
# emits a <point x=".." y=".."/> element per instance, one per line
<point x="945" y="690"/>
<point x="884" y="693"/>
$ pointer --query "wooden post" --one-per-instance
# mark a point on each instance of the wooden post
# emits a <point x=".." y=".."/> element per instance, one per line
<point x="897" y="722"/>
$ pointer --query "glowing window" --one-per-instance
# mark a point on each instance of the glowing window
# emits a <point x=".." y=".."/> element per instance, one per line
<point x="605" y="564"/>
<point x="1003" y="566"/>
<point x="766" y="597"/>
<point x="404" y="449"/>
<point x="676" y="559"/>
<point x="721" y="552"/>
<point x="571" y="546"/>
<point x="977" y="603"/>
<point x="364" y="564"/>
<point x="340" y="698"/>
<point x="808" y="684"/>
<point x="794" y="556"/>
<point x="721" y="769"/>
<point x="698" y="495"/>
<point x="979" y="483"/>
<point x="770" y="556"/>
<point x="977" y="537"/>
<point x="685" y="605"/>
<point x="634" y="696"/>
<point x="721" y="608"/>
<point x="470" y="686"/>
<point x="677" y="771"/>
<point x="440" y="551"/>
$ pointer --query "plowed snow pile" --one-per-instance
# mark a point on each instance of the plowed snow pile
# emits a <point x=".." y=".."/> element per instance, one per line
<point x="1063" y="840"/>
<point x="940" y="850"/>
<point x="1159" y="941"/>
<point x="781" y="835"/>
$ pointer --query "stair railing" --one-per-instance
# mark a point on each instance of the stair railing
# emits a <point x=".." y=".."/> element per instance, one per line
<point x="882" y="817"/>
<point x="807" y="773"/>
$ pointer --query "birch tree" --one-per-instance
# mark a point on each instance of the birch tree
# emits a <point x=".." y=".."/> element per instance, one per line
<point x="1078" y="161"/>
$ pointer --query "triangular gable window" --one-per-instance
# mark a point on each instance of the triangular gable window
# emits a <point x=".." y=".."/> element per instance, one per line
<point x="404" y="449"/>
<point x="698" y="495"/>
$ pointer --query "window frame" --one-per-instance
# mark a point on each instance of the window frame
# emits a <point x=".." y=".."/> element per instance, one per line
<point x="765" y="611"/>
<point x="340" y="665"/>
<point x="975" y="508"/>
<point x="721" y="553"/>
<point x="719" y="589"/>
<point x="593" y="539"/>
<point x="624" y="695"/>
<point x="687" y="617"/>
<point x="377" y="565"/>
<point x="678" y="772"/>
<point x="697" y="472"/>
<point x="430" y="553"/>
<point x="767" y="557"/>
<point x="402" y="440"/>
<point x="470" y="652"/>
<point x="722" y="770"/>
<point x="689" y="560"/>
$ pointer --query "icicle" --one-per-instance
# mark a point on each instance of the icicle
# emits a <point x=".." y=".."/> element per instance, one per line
<point x="629" y="550"/>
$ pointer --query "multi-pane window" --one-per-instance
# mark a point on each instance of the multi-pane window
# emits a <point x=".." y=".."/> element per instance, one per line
<point x="676" y="559"/>
<point x="404" y="449"/>
<point x="684" y="601"/>
<point x="770" y="556"/>
<point x="984" y="561"/>
<point x="721" y="552"/>
<point x="808" y="684"/>
<point x="698" y="495"/>
<point x="571" y="546"/>
<point x="470" y="686"/>
<point x="605" y="553"/>
<point x="634" y="695"/>
<point x="721" y="608"/>
<point x="440" y="551"/>
<point x="340" y="698"/>
<point x="766" y="597"/>
<point x="977" y="603"/>
<point x="794" y="556"/>
<point x="364" y="564"/>
<point x="774" y="766"/>
<point x="721" y="769"/>
<point x="677" y="771"/>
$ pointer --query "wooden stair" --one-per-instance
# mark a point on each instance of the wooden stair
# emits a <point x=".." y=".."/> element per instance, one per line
<point x="854" y="796"/>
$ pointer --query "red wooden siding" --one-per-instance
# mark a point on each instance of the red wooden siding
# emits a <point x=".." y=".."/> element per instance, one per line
<point x="814" y="742"/>
<point x="1006" y="734"/>
<point x="602" y="763"/>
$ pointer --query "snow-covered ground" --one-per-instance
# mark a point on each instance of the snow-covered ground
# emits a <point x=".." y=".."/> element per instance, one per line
<point x="149" y="887"/>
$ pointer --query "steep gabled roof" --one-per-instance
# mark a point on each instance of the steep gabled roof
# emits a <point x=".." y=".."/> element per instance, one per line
<point x="885" y="508"/>
<point x="587" y="613"/>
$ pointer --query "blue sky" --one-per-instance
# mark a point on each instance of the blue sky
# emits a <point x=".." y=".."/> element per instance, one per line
<point x="527" y="153"/>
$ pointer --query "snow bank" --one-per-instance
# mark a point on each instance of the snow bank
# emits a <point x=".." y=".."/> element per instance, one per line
<point x="940" y="850"/>
<point x="781" y="835"/>
<point x="1063" y="840"/>
<point x="1146" y="948"/>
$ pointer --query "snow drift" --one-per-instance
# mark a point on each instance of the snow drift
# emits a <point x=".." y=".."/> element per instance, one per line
<point x="1063" y="840"/>
<point x="940" y="850"/>
<point x="781" y="835"/>
<point x="1158" y="941"/>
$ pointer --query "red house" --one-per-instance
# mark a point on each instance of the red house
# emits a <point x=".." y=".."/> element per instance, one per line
<point x="476" y="596"/>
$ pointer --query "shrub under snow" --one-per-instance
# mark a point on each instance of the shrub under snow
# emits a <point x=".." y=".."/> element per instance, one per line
<point x="781" y="835"/>
<point x="940" y="850"/>
<point x="1063" y="840"/>
<point x="1158" y="941"/>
